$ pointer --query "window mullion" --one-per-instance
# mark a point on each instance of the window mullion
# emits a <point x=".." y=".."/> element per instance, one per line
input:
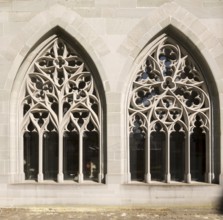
<point x="187" y="158"/>
<point x="168" y="177"/>
<point x="60" y="176"/>
<point x="147" y="162"/>
<point x="40" y="174"/>
<point x="80" y="174"/>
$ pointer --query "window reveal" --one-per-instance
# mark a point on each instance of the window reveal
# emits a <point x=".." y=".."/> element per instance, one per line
<point x="61" y="118"/>
<point x="169" y="118"/>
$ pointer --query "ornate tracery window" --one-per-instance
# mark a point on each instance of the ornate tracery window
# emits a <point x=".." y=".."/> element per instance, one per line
<point x="61" y="119"/>
<point x="169" y="117"/>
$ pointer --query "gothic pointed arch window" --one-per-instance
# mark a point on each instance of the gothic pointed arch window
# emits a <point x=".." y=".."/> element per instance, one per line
<point x="169" y="117"/>
<point x="62" y="115"/>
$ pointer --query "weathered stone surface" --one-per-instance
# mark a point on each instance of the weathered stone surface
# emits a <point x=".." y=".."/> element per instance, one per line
<point x="114" y="33"/>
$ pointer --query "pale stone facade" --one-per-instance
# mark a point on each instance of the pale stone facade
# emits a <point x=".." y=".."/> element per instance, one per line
<point x="113" y="32"/>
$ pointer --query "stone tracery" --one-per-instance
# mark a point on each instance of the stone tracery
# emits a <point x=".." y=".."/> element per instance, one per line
<point x="169" y="90"/>
<point x="61" y="96"/>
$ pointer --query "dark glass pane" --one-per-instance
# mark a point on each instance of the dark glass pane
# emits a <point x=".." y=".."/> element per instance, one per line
<point x="137" y="155"/>
<point x="177" y="156"/>
<point x="198" y="156"/>
<point x="91" y="155"/>
<point x="70" y="155"/>
<point x="157" y="155"/>
<point x="31" y="155"/>
<point x="50" y="155"/>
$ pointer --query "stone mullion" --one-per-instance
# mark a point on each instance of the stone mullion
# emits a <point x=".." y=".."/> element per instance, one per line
<point x="187" y="158"/>
<point x="148" y="172"/>
<point x="40" y="173"/>
<point x="60" y="176"/>
<point x="167" y="152"/>
<point x="80" y="174"/>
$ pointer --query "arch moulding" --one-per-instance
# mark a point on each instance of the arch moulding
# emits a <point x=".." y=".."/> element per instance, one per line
<point x="175" y="19"/>
<point x="32" y="38"/>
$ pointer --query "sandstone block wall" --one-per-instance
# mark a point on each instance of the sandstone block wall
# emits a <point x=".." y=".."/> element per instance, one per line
<point x="113" y="32"/>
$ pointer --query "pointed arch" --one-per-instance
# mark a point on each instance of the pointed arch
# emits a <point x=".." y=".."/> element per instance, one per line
<point x="57" y="73"/>
<point x="167" y="65"/>
<point x="42" y="26"/>
<point x="190" y="31"/>
<point x="182" y="21"/>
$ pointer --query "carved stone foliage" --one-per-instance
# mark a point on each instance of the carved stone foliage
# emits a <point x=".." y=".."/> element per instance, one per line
<point x="60" y="93"/>
<point x="168" y="89"/>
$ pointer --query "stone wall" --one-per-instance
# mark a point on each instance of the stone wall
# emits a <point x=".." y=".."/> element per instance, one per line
<point x="113" y="32"/>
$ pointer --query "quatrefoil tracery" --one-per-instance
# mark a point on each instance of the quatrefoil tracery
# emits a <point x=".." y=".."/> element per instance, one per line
<point x="169" y="88"/>
<point x="60" y="83"/>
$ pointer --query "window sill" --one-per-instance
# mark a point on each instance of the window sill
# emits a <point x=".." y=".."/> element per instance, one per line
<point x="51" y="182"/>
<point x="172" y="183"/>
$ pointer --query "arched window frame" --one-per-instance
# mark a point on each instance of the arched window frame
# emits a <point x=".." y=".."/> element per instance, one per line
<point x="213" y="160"/>
<point x="41" y="46"/>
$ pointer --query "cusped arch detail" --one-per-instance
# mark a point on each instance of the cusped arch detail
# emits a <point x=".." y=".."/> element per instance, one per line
<point x="144" y="97"/>
<point x="57" y="60"/>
